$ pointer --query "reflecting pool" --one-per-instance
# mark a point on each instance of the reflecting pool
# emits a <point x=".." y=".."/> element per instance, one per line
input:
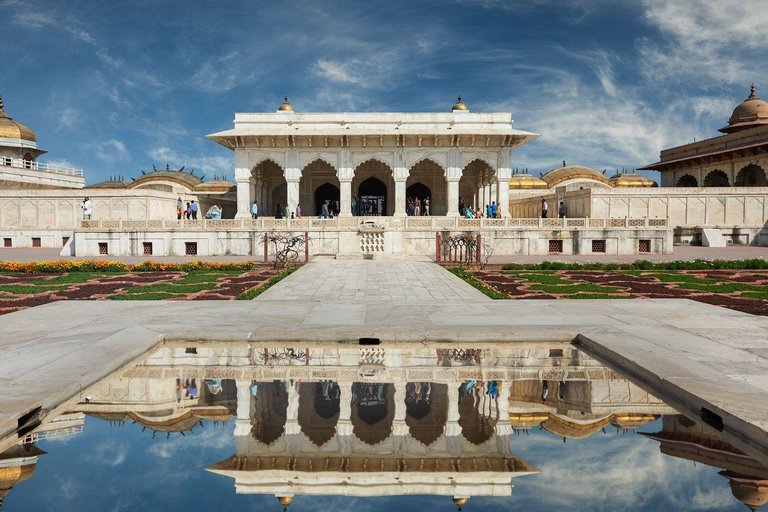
<point x="514" y="426"/>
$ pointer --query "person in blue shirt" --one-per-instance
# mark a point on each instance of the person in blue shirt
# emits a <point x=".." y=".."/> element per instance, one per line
<point x="494" y="209"/>
<point x="488" y="211"/>
<point x="193" y="209"/>
<point x="469" y="212"/>
<point x="255" y="210"/>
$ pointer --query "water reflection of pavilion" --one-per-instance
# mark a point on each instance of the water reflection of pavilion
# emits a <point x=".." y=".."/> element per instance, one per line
<point x="350" y="420"/>
<point x="685" y="439"/>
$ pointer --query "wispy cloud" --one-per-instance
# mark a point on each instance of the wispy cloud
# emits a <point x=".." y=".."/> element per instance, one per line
<point x="221" y="74"/>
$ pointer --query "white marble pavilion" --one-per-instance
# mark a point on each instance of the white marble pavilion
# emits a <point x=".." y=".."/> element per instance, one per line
<point x="308" y="158"/>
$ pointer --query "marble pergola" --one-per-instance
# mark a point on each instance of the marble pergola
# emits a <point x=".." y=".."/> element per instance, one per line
<point x="308" y="158"/>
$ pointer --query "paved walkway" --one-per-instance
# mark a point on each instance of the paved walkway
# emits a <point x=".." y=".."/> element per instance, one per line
<point x="357" y="280"/>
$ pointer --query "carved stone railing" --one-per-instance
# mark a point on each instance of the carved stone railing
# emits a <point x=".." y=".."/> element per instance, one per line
<point x="382" y="223"/>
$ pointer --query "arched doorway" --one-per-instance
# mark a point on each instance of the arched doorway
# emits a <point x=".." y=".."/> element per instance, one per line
<point x="716" y="178"/>
<point x="686" y="180"/>
<point x="477" y="413"/>
<point x="279" y="197"/>
<point x="426" y="178"/>
<point x="319" y="407"/>
<point x="327" y="192"/>
<point x="751" y="176"/>
<point x="372" y="411"/>
<point x="270" y="186"/>
<point x="426" y="410"/>
<point x="417" y="192"/>
<point x="270" y="411"/>
<point x="373" y="190"/>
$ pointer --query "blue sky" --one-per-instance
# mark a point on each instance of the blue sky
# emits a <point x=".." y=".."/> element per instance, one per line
<point x="123" y="469"/>
<point x="114" y="87"/>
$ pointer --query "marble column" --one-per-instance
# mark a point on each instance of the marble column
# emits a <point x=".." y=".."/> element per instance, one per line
<point x="243" y="199"/>
<point x="243" y="421"/>
<point x="504" y="198"/>
<point x="399" y="427"/>
<point x="453" y="197"/>
<point x="452" y="428"/>
<point x="293" y="193"/>
<point x="344" y="425"/>
<point x="346" y="197"/>
<point x="292" y="414"/>
<point x="400" y="197"/>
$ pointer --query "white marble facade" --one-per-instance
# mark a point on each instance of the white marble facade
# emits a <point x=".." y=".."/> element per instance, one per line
<point x="285" y="156"/>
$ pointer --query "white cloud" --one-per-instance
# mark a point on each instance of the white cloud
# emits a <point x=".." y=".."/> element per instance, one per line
<point x="221" y="74"/>
<point x="716" y="42"/>
<point x="111" y="150"/>
<point x="208" y="165"/>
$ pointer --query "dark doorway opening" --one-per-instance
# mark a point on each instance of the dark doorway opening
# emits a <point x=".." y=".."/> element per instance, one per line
<point x="375" y="191"/>
<point x="327" y="192"/>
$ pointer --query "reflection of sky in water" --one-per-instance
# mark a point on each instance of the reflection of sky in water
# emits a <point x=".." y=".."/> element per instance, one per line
<point x="111" y="468"/>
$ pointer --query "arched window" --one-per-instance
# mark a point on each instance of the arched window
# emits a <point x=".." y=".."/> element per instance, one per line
<point x="716" y="178"/>
<point x="686" y="180"/>
<point x="751" y="176"/>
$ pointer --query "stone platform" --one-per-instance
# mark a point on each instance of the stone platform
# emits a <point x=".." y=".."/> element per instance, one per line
<point x="692" y="354"/>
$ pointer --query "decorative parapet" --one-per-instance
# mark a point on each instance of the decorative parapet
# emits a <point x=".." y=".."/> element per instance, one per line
<point x="20" y="163"/>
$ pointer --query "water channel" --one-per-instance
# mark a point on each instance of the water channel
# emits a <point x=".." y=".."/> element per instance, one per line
<point x="523" y="426"/>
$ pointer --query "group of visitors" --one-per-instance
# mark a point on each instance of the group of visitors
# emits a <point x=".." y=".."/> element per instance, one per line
<point x="416" y="392"/>
<point x="545" y="208"/>
<point x="490" y="388"/>
<point x="416" y="207"/>
<point x="369" y="393"/>
<point x="492" y="211"/>
<point x="189" y="211"/>
<point x="364" y="207"/>
<point x="186" y="388"/>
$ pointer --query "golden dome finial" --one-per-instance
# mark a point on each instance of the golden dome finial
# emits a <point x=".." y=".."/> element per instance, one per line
<point x="459" y="106"/>
<point x="286" y="106"/>
<point x="460" y="502"/>
<point x="285" y="501"/>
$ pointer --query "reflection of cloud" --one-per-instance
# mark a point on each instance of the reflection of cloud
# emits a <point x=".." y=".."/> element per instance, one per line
<point x="206" y="438"/>
<point x="614" y="472"/>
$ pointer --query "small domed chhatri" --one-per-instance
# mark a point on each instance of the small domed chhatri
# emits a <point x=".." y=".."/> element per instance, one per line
<point x="526" y="182"/>
<point x="459" y="106"/>
<point x="750" y="113"/>
<point x="569" y="173"/>
<point x="285" y="107"/>
<point x="11" y="129"/>
<point x="631" y="180"/>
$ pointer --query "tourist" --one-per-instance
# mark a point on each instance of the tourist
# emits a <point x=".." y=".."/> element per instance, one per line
<point x="187" y="211"/>
<point x="193" y="209"/>
<point x="298" y="211"/>
<point x="426" y="206"/>
<point x="179" y="207"/>
<point x="278" y="211"/>
<point x="544" y="390"/>
<point x="469" y="213"/>
<point x="498" y="212"/>
<point x="561" y="209"/>
<point x="354" y="205"/>
<point x="488" y="213"/>
<point x="255" y="210"/>
<point x="494" y="209"/>
<point x="324" y="210"/>
<point x="461" y="205"/>
<point x="87" y="209"/>
<point x="287" y="211"/>
<point x="416" y="208"/>
<point x="544" y="208"/>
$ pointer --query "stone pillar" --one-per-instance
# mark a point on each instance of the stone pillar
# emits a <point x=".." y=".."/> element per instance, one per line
<point x="399" y="427"/>
<point x="293" y="194"/>
<point x="399" y="198"/>
<point x="503" y="195"/>
<point x="292" y="414"/>
<point x="243" y="421"/>
<point x="344" y="425"/>
<point x="452" y="428"/>
<point x="346" y="197"/>
<point x="400" y="175"/>
<point x="452" y="177"/>
<point x="453" y="197"/>
<point x="243" y="199"/>
<point x="243" y="180"/>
